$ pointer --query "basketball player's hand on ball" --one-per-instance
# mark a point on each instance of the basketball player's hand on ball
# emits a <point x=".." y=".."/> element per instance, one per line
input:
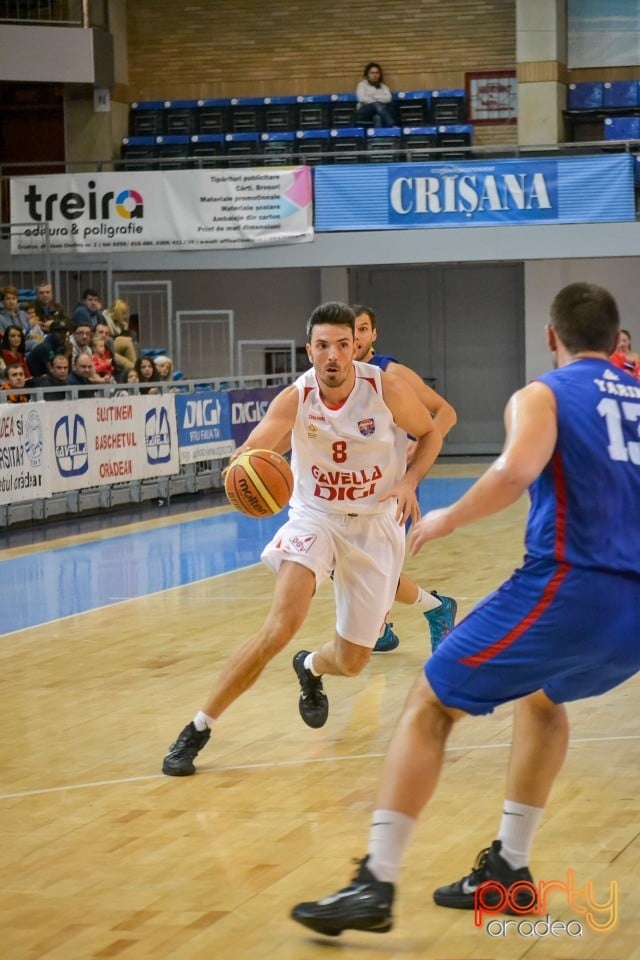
<point x="435" y="524"/>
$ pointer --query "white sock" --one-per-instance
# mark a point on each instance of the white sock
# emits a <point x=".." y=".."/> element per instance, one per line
<point x="426" y="601"/>
<point x="202" y="721"/>
<point x="517" y="829"/>
<point x="389" y="835"/>
<point x="308" y="665"/>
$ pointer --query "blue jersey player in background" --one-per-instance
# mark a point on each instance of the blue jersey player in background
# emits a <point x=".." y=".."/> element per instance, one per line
<point x="565" y="626"/>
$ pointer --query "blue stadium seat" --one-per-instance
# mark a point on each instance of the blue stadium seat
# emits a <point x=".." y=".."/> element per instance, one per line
<point x="247" y="114"/>
<point x="279" y="114"/>
<point x="138" y="153"/>
<point x="278" y="149"/>
<point x="456" y="135"/>
<point x="448" y="106"/>
<point x="342" y="112"/>
<point x="384" y="145"/>
<point x="345" y="143"/>
<point x="241" y="149"/>
<point x="206" y="150"/>
<point x="622" y="128"/>
<point x="173" y="152"/>
<point x="413" y="107"/>
<point x="585" y="96"/>
<point x="416" y="142"/>
<point x="146" y="118"/>
<point x="180" y="117"/>
<point x="312" y="146"/>
<point x="212" y="116"/>
<point x="620" y="96"/>
<point x="313" y="112"/>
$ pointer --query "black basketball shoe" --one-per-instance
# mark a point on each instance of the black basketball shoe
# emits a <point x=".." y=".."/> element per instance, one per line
<point x="364" y="905"/>
<point x="313" y="703"/>
<point x="489" y="865"/>
<point x="179" y="760"/>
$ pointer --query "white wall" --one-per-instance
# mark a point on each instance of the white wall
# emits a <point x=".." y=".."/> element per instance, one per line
<point x="544" y="278"/>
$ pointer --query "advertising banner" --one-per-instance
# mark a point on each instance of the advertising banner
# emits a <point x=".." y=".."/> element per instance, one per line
<point x="248" y="407"/>
<point x="24" y="456"/>
<point x="168" y="210"/>
<point x="478" y="193"/>
<point x="204" y="425"/>
<point x="104" y="441"/>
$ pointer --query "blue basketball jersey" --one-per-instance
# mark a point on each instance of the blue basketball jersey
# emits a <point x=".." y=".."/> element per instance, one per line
<point x="382" y="361"/>
<point x="585" y="505"/>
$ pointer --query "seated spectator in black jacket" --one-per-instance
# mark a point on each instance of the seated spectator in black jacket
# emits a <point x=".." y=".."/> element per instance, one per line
<point x="56" y="377"/>
<point x="56" y="341"/>
<point x="47" y="307"/>
<point x="81" y="375"/>
<point x="15" y="381"/>
<point x="89" y="309"/>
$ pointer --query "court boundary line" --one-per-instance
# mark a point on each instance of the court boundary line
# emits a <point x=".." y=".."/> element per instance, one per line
<point x="274" y="764"/>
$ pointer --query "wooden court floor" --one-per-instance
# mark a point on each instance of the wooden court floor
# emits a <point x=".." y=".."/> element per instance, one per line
<point x="103" y="857"/>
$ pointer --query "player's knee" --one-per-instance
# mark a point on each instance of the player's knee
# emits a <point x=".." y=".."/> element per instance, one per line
<point x="351" y="659"/>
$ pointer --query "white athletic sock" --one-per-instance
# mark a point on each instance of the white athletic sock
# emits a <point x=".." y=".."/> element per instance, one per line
<point x="426" y="601"/>
<point x="389" y="835"/>
<point x="517" y="829"/>
<point x="308" y="665"/>
<point x="202" y="722"/>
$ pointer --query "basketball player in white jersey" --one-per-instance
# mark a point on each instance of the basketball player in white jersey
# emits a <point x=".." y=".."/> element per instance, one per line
<point x="352" y="497"/>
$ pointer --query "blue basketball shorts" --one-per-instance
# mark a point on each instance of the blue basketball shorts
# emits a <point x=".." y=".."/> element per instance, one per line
<point x="566" y="630"/>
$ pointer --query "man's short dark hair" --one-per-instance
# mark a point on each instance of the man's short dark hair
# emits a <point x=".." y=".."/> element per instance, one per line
<point x="90" y="292"/>
<point x="586" y="317"/>
<point x="83" y="323"/>
<point x="359" y="308"/>
<point x="338" y="314"/>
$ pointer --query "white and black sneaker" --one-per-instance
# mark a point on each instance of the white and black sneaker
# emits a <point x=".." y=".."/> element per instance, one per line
<point x="366" y="904"/>
<point x="489" y="866"/>
<point x="182" y="752"/>
<point x="313" y="703"/>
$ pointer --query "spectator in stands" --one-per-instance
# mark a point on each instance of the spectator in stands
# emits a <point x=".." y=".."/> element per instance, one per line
<point x="89" y="309"/>
<point x="47" y="307"/>
<point x="38" y="328"/>
<point x="81" y="375"/>
<point x="131" y="377"/>
<point x="164" y="366"/>
<point x="374" y="99"/>
<point x="13" y="349"/>
<point x="56" y="376"/>
<point x="117" y="317"/>
<point x="11" y="314"/>
<point x="56" y="341"/>
<point x="147" y="375"/>
<point x="624" y="357"/>
<point x="102" y="360"/>
<point x="80" y="340"/>
<point x="15" y="380"/>
<point x="121" y="363"/>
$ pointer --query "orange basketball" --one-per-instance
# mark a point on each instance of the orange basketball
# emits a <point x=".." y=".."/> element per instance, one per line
<point x="259" y="483"/>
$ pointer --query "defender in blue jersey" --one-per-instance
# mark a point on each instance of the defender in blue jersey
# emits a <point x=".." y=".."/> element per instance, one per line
<point x="439" y="611"/>
<point x="565" y="626"/>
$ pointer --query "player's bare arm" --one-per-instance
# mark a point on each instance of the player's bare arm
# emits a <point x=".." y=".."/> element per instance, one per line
<point x="414" y="419"/>
<point x="531" y="435"/>
<point x="274" y="430"/>
<point x="444" y="416"/>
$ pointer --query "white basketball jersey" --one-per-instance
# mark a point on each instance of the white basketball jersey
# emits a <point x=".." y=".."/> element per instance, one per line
<point x="345" y="459"/>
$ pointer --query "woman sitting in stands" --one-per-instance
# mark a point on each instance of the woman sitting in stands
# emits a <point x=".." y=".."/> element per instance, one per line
<point x="11" y="314"/>
<point x="13" y="348"/>
<point x="148" y="375"/>
<point x="164" y="366"/>
<point x="117" y="318"/>
<point x="624" y="357"/>
<point x="374" y="99"/>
